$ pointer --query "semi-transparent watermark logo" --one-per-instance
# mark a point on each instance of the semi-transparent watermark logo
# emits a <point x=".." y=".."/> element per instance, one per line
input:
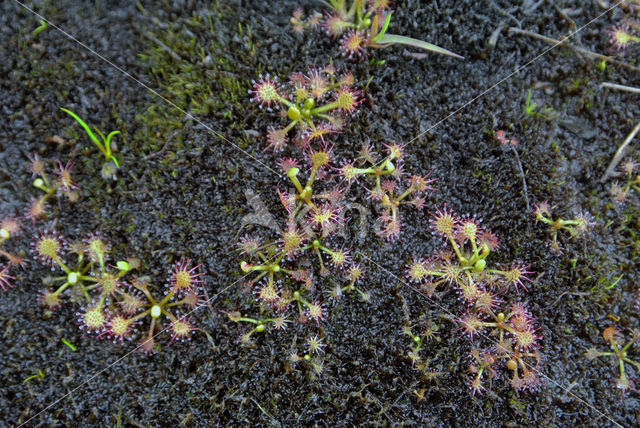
<point x="359" y="216"/>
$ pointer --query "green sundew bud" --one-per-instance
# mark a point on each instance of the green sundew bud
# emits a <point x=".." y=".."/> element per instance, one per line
<point x="480" y="265"/>
<point x="73" y="277"/>
<point x="156" y="311"/>
<point x="293" y="172"/>
<point x="294" y="113"/>
<point x="306" y="113"/>
<point x="260" y="328"/>
<point x="246" y="268"/>
<point x="308" y="104"/>
<point x="39" y="183"/>
<point x="4" y="233"/>
<point x="123" y="266"/>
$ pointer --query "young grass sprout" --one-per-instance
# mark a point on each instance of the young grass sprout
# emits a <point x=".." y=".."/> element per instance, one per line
<point x="103" y="144"/>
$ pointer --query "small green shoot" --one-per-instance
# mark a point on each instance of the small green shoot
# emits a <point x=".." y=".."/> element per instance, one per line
<point x="366" y="85"/>
<point x="119" y="417"/>
<point x="70" y="345"/>
<point x="602" y="65"/>
<point x="614" y="283"/>
<point x="531" y="106"/>
<point x="104" y="146"/>
<point x="380" y="39"/>
<point x="38" y="376"/>
<point x="608" y="286"/>
<point x="39" y="29"/>
<point x="532" y="109"/>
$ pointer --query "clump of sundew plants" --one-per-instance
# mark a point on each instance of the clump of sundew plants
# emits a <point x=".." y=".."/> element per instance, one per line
<point x="513" y="344"/>
<point x="110" y="307"/>
<point x="465" y="265"/>
<point x="179" y="190"/>
<point x="315" y="103"/>
<point x="278" y="272"/>
<point x="313" y="218"/>
<point x="81" y="277"/>
<point x="497" y="333"/>
<point x="389" y="188"/>
<point x="312" y="357"/>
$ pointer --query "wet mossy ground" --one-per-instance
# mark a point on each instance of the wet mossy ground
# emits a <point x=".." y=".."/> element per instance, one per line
<point x="181" y="192"/>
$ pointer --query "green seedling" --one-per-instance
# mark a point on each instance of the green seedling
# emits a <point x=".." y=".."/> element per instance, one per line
<point x="532" y="109"/>
<point x="104" y="146"/>
<point x="530" y="106"/>
<point x="38" y="376"/>
<point x="40" y="28"/>
<point x="68" y="344"/>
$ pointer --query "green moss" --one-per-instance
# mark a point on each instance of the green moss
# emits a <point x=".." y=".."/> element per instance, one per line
<point x="517" y="405"/>
<point x="191" y="68"/>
